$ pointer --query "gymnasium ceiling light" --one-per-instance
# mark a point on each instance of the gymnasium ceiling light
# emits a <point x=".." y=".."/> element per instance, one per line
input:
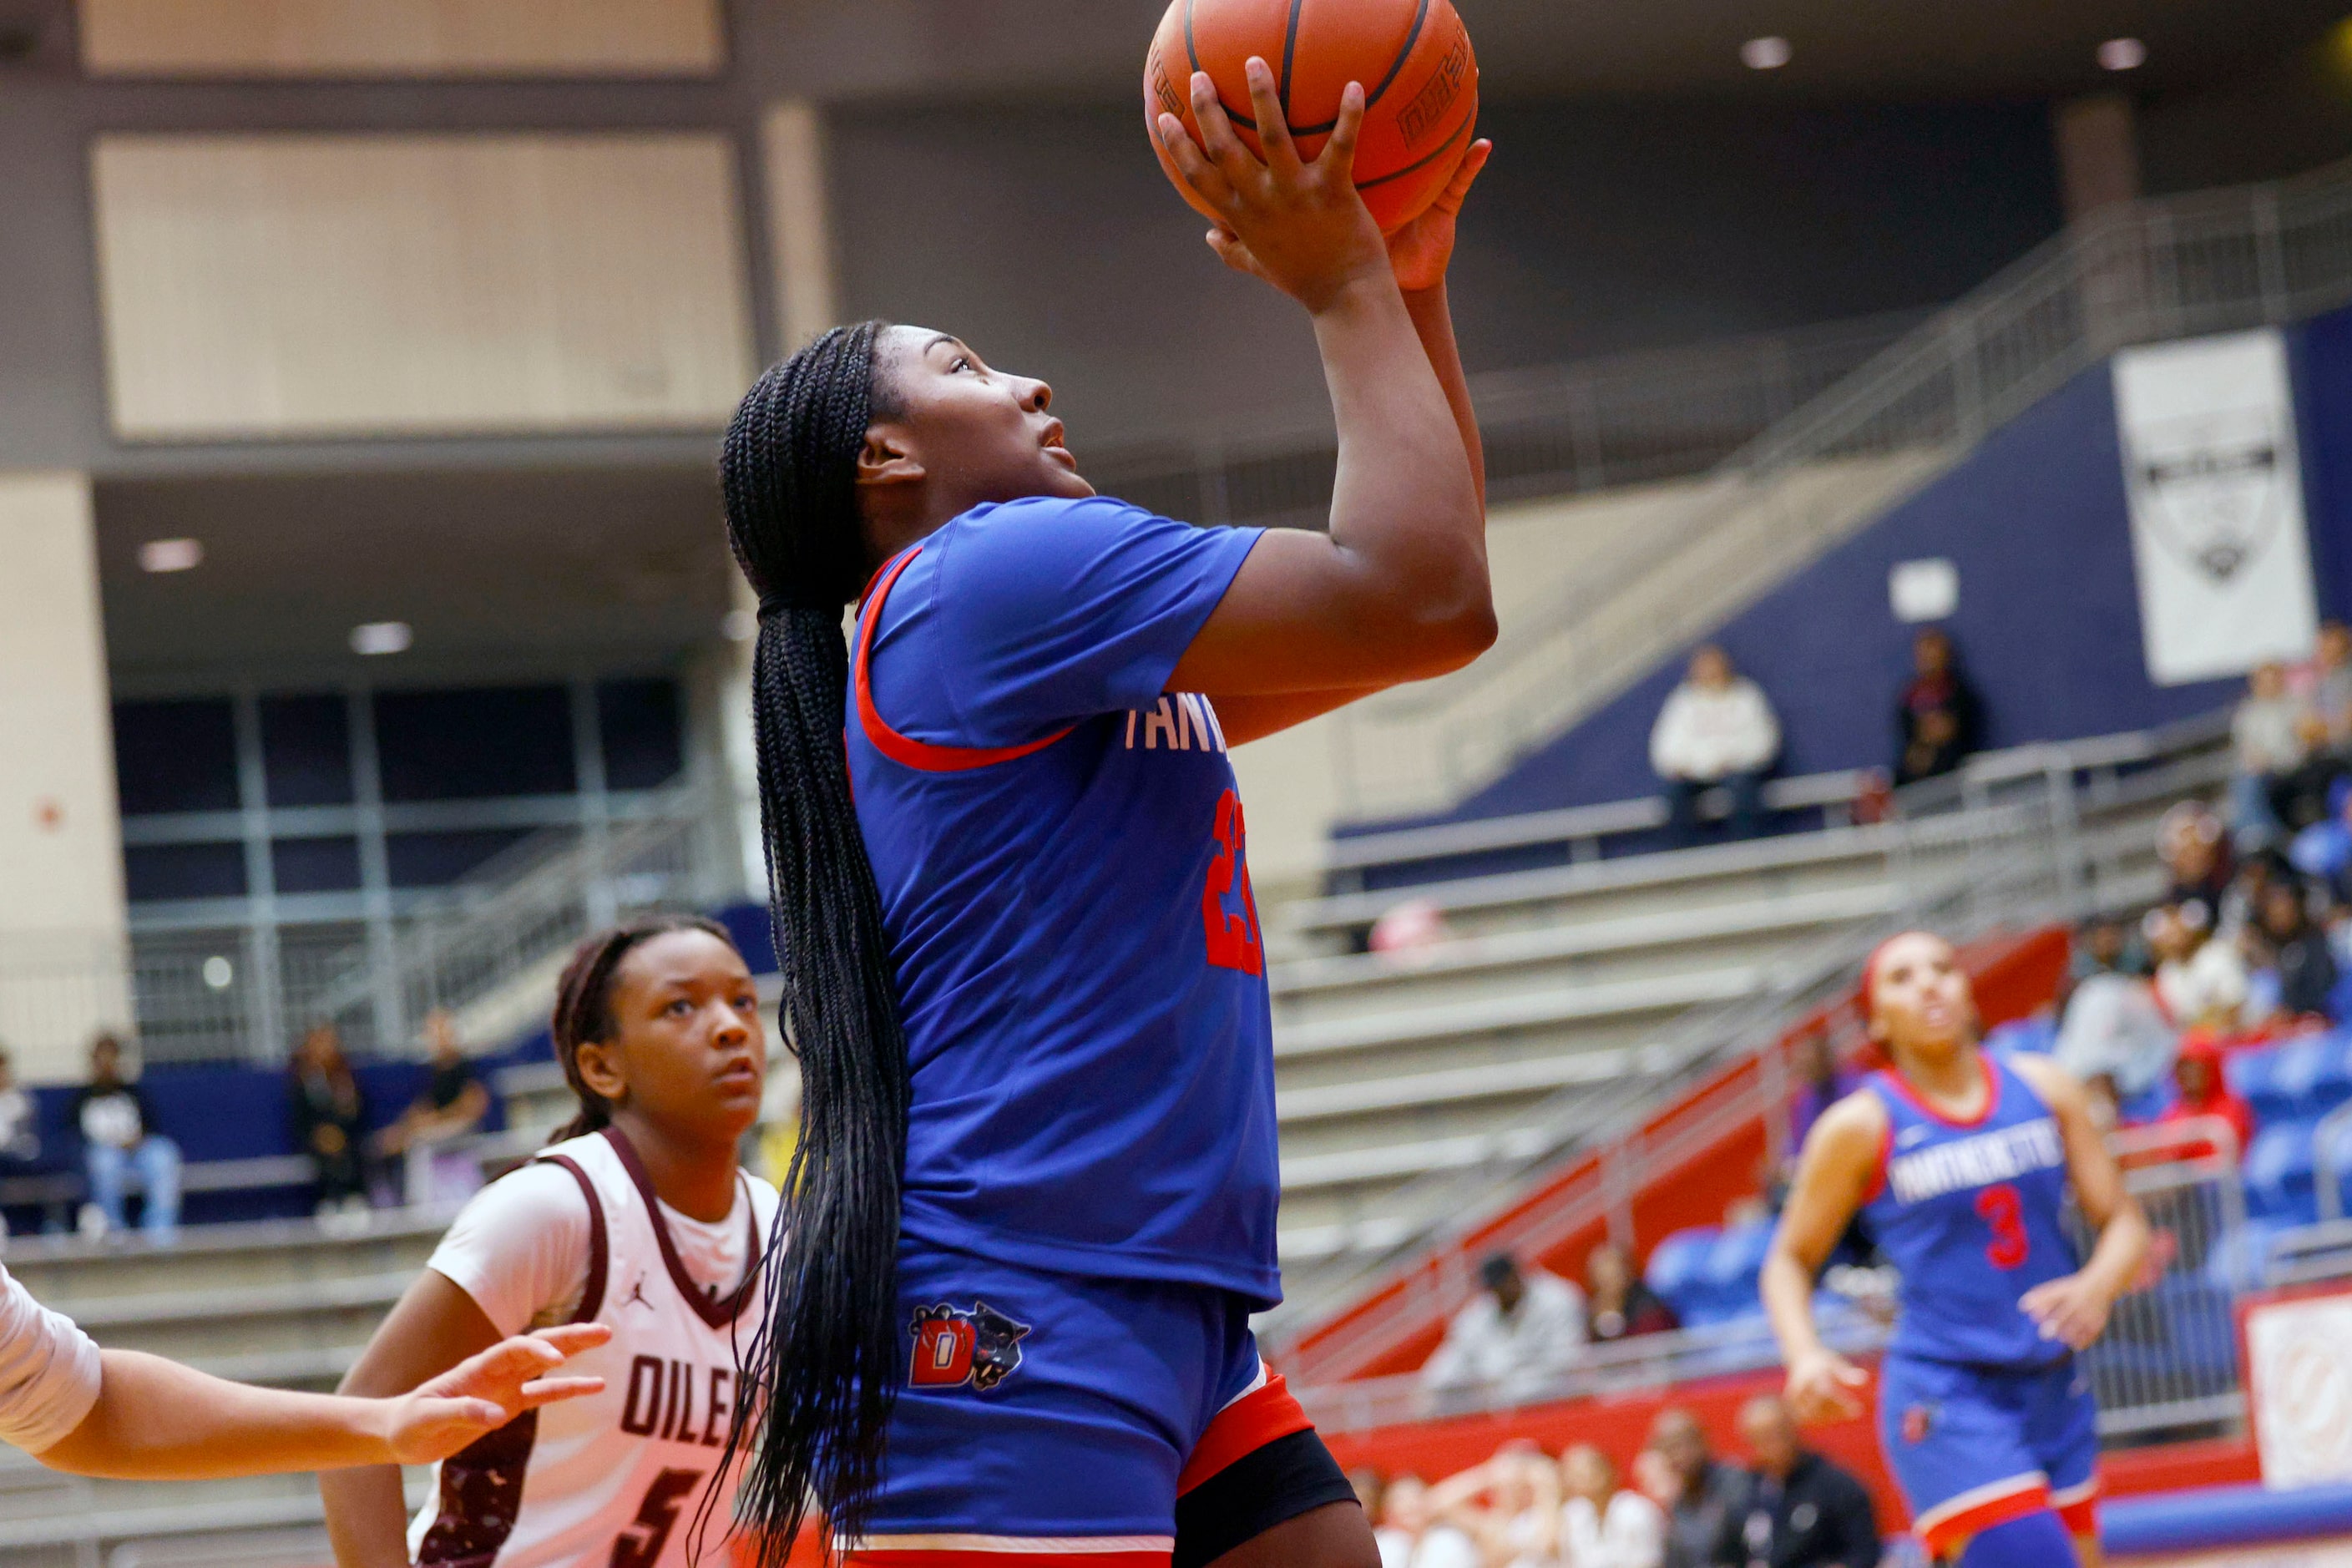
<point x="378" y="638"/>
<point x="1766" y="54"/>
<point x="2123" y="54"/>
<point x="171" y="555"/>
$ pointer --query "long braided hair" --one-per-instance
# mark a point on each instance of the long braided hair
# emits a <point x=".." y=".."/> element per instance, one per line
<point x="825" y="1365"/>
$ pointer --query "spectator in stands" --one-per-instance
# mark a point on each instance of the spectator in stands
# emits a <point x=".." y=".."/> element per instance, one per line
<point x="20" y="1125"/>
<point x="2308" y="792"/>
<point x="2298" y="953"/>
<point x="328" y="1115"/>
<point x="1822" y="1082"/>
<point x="2323" y="683"/>
<point x="2107" y="945"/>
<point x="1797" y="1509"/>
<point x="1510" y="1506"/>
<point x="119" y="1139"/>
<point x="2264" y="736"/>
<point x="2199" y="981"/>
<point x="1600" y="1525"/>
<point x="1716" y="728"/>
<point x="2116" y="1028"/>
<point x="1695" y="1490"/>
<point x="1619" y="1305"/>
<point x="452" y="1106"/>
<point x="1411" y="1535"/>
<point x="1522" y="1330"/>
<point x="2195" y="850"/>
<point x="2241" y="908"/>
<point x="1939" y="720"/>
<point x="2205" y="1092"/>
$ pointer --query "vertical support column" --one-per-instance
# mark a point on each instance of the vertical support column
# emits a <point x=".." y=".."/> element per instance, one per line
<point x="387" y="999"/>
<point x="2099" y="179"/>
<point x="596" y="803"/>
<point x="267" y="1019"/>
<point x="63" y="924"/>
<point x="799" y="227"/>
<point x="2098" y="153"/>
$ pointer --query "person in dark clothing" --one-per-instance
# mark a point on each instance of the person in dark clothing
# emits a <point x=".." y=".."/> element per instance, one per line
<point x="428" y="1137"/>
<point x="1939" y="720"/>
<point x="327" y="1112"/>
<point x="1797" y="1509"/>
<point x="116" y="1123"/>
<point x="2306" y="968"/>
<point x="1618" y="1305"/>
<point x="1696" y="1490"/>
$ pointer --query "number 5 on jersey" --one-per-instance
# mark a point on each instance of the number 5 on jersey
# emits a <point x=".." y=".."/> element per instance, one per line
<point x="1232" y="938"/>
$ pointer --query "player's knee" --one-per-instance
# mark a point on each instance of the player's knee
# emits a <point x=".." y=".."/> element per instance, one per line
<point x="2037" y="1539"/>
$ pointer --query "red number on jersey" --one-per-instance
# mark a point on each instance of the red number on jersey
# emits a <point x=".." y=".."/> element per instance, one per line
<point x="1233" y="939"/>
<point x="2004" y="1211"/>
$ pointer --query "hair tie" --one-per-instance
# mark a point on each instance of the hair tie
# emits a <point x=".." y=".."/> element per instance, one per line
<point x="774" y="605"/>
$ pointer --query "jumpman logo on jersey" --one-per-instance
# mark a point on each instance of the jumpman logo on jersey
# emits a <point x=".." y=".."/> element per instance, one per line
<point x="636" y="1296"/>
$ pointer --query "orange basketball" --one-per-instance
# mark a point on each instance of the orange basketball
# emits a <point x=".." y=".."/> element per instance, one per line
<point x="1414" y="57"/>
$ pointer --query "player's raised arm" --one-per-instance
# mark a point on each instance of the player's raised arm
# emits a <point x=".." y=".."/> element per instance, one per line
<point x="1835" y="1175"/>
<point x="157" y="1420"/>
<point x="2073" y="1310"/>
<point x="1398" y="589"/>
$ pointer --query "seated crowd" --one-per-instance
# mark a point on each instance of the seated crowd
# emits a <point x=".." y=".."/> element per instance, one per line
<point x="2250" y="946"/>
<point x="1527" y="1326"/>
<point x="1789" y="1508"/>
<point x="1717" y="730"/>
<point x="109" y="1133"/>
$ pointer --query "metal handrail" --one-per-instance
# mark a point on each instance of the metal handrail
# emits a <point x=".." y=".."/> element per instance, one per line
<point x="1968" y="871"/>
<point x="2154" y="270"/>
<point x="1360" y="852"/>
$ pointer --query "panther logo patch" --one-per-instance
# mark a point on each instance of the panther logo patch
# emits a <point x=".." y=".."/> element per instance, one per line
<point x="959" y="1346"/>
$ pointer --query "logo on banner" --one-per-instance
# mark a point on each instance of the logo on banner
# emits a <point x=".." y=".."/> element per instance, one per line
<point x="959" y="1345"/>
<point x="2213" y="486"/>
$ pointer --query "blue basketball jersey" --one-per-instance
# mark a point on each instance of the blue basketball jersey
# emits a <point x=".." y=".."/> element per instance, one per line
<point x="1064" y="870"/>
<point x="1970" y="1215"/>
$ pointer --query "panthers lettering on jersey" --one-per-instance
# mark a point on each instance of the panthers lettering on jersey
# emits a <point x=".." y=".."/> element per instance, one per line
<point x="1971" y="1214"/>
<point x="617" y="1479"/>
<point x="1064" y="865"/>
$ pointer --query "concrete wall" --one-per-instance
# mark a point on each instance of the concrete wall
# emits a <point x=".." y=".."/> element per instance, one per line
<point x="61" y="905"/>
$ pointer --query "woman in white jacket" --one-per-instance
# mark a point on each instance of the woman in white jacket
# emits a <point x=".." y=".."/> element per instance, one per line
<point x="1716" y="728"/>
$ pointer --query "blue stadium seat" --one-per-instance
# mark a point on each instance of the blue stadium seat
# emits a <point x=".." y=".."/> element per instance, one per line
<point x="1675" y="1268"/>
<point x="2278" y="1174"/>
<point x="2309" y="1076"/>
<point x="2253" y="1074"/>
<point x="2235" y="1262"/>
<point x="1730" y="1270"/>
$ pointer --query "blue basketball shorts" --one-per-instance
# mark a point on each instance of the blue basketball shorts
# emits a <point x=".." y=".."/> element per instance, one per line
<point x="1050" y="1418"/>
<point x="1974" y="1446"/>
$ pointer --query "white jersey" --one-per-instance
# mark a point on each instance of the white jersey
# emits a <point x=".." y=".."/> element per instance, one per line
<point x="48" y="1372"/>
<point x="618" y="1480"/>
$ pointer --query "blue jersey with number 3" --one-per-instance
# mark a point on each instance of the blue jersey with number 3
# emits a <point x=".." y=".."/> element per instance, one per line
<point x="1971" y="1214"/>
<point x="1064" y="880"/>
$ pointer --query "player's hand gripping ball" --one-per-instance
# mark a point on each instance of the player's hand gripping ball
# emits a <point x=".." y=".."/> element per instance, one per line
<point x="1414" y="58"/>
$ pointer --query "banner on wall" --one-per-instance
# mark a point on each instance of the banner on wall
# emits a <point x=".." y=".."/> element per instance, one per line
<point x="2214" y="480"/>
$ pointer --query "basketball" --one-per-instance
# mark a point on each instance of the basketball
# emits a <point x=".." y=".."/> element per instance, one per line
<point x="1414" y="58"/>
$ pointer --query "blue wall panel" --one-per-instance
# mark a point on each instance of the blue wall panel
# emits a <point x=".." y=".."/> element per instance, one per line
<point x="2048" y="622"/>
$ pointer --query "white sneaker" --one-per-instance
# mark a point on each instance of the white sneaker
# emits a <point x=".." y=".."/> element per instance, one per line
<point x="91" y="1221"/>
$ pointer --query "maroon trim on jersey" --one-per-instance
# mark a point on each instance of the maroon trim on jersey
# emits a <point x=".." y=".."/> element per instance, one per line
<point x="717" y="1311"/>
<point x="592" y="1293"/>
<point x="904" y="750"/>
<point x="481" y="1496"/>
<point x="1902" y="1086"/>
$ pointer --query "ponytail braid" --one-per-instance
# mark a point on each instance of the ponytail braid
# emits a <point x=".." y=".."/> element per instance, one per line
<point x="825" y="1365"/>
